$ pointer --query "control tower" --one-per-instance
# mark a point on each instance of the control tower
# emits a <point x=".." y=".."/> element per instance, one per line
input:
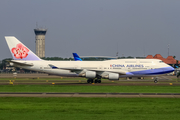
<point x="40" y="42"/>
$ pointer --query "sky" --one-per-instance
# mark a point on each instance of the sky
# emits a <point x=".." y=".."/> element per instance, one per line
<point x="94" y="27"/>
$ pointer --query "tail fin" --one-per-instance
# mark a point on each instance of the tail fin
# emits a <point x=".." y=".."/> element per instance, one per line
<point x="18" y="50"/>
<point x="76" y="57"/>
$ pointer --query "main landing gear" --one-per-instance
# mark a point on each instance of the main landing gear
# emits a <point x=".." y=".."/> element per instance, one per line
<point x="96" y="80"/>
<point x="90" y="80"/>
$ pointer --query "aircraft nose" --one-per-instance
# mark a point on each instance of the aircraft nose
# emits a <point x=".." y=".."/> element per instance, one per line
<point x="171" y="69"/>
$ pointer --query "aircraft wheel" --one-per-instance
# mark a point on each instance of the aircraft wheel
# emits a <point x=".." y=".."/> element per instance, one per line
<point x="91" y="80"/>
<point x="155" y="81"/>
<point x="99" y="81"/>
<point x="96" y="81"/>
<point x="88" y="81"/>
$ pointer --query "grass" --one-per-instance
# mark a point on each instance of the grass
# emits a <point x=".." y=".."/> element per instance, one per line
<point x="89" y="108"/>
<point x="89" y="88"/>
<point x="32" y="108"/>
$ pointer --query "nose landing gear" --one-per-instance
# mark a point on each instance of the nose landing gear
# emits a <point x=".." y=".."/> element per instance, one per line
<point x="156" y="80"/>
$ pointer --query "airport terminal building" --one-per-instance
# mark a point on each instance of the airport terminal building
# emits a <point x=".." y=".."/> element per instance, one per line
<point x="169" y="60"/>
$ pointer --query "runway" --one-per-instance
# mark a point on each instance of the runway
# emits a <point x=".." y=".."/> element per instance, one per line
<point x="103" y="95"/>
<point x="25" y="80"/>
<point x="83" y="83"/>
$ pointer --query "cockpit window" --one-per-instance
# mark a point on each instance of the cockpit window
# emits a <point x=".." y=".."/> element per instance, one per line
<point x="160" y="61"/>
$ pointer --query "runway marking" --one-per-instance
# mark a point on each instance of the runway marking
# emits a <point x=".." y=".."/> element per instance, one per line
<point x="104" y="95"/>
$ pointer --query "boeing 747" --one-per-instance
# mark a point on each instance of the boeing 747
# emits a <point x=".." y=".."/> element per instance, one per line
<point x="24" y="58"/>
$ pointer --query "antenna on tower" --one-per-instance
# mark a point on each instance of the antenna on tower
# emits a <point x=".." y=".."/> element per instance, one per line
<point x="168" y="49"/>
<point x="144" y="52"/>
<point x="36" y="24"/>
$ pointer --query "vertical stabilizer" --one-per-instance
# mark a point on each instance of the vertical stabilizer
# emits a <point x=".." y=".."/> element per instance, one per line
<point x="76" y="57"/>
<point x="18" y="50"/>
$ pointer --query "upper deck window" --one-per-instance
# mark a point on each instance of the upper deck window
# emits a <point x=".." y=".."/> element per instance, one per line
<point x="130" y="61"/>
<point x="145" y="61"/>
<point x="161" y="62"/>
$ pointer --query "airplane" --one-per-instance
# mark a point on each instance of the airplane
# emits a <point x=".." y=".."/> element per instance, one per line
<point x="24" y="58"/>
<point x="76" y="57"/>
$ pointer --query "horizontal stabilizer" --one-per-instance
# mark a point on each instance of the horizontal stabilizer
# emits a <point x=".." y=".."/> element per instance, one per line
<point x="21" y="63"/>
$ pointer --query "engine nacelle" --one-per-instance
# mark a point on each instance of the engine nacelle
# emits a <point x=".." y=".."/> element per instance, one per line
<point x="113" y="76"/>
<point x="90" y="74"/>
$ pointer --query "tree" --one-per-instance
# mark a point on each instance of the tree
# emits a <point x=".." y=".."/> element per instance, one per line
<point x="4" y="62"/>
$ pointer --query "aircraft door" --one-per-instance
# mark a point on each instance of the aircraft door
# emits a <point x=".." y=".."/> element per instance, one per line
<point x="41" y="68"/>
<point x="152" y="66"/>
<point x="100" y="67"/>
<point x="129" y="69"/>
<point x="137" y="62"/>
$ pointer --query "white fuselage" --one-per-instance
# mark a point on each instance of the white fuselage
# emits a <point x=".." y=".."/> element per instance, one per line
<point x="124" y="67"/>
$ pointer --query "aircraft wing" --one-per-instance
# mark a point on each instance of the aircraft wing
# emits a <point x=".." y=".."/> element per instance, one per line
<point x="77" y="70"/>
<point x="73" y="69"/>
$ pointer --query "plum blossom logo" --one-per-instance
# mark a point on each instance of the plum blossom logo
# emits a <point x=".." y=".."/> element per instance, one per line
<point x="20" y="51"/>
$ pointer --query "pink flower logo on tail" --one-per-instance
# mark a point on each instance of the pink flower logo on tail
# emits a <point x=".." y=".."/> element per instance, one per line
<point x="20" y="51"/>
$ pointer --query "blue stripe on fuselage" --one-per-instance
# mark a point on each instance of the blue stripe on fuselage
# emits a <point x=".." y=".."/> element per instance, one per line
<point x="156" y="71"/>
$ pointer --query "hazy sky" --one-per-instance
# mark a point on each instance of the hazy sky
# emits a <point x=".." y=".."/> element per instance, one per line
<point x="94" y="27"/>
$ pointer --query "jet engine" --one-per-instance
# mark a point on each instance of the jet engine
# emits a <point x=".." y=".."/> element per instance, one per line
<point x="113" y="76"/>
<point x="90" y="74"/>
